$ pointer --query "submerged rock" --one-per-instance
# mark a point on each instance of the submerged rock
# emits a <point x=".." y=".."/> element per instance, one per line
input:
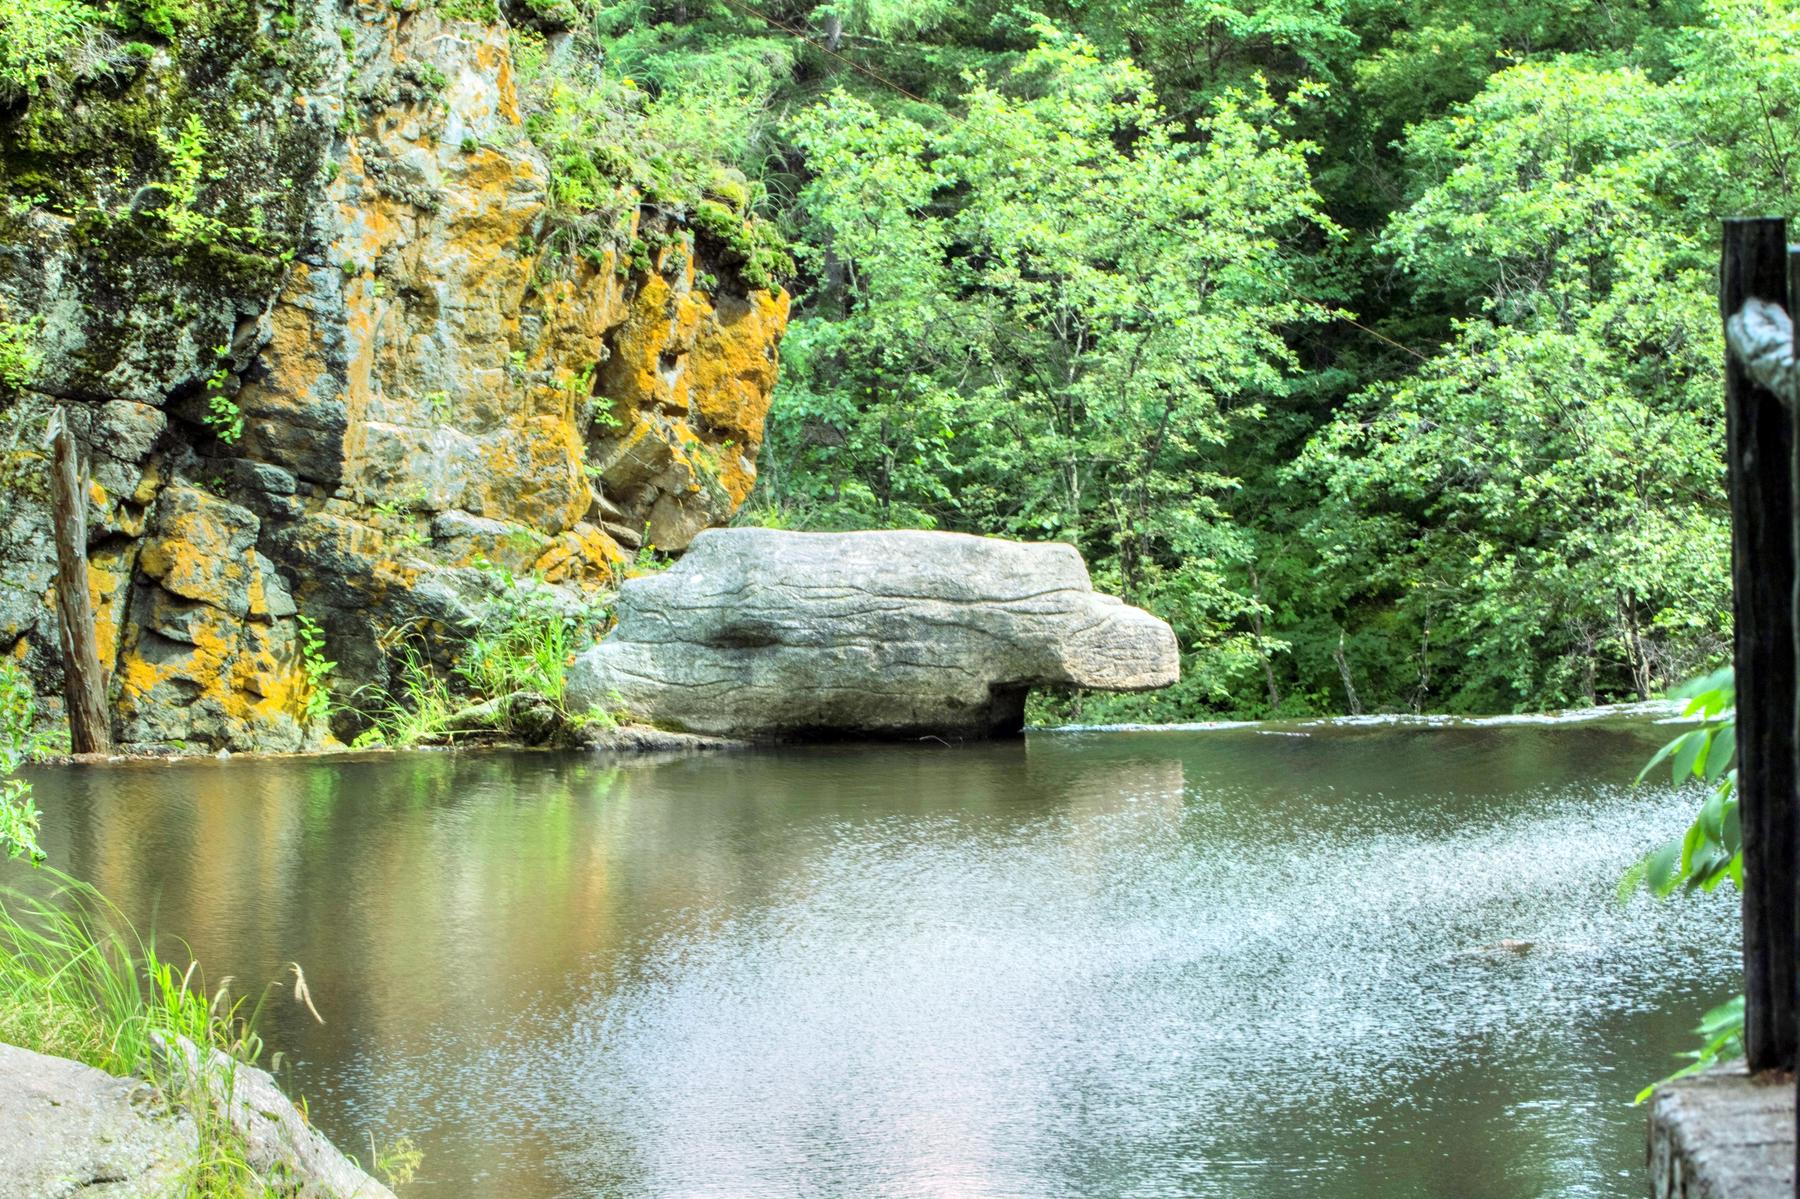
<point x="769" y="634"/>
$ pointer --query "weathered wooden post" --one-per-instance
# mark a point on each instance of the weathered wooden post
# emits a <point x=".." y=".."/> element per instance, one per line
<point x="1760" y="462"/>
<point x="1729" y="1133"/>
<point x="1793" y="845"/>
<point x="84" y="679"/>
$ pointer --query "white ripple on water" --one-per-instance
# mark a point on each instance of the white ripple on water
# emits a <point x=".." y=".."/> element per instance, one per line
<point x="1107" y="1004"/>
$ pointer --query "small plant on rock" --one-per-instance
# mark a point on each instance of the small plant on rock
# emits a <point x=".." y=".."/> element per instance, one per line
<point x="317" y="668"/>
<point x="19" y="741"/>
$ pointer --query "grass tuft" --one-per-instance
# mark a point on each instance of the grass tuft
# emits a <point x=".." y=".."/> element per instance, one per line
<point x="77" y="981"/>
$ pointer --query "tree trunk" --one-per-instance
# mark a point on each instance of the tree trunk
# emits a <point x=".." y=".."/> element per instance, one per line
<point x="1262" y="648"/>
<point x="84" y="679"/>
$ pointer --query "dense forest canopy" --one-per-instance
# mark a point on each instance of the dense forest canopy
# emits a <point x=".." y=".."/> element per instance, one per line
<point x="1371" y="342"/>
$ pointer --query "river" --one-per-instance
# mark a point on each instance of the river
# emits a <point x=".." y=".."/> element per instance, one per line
<point x="1235" y="962"/>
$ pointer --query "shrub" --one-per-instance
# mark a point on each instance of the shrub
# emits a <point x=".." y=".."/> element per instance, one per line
<point x="36" y="36"/>
<point x="19" y="741"/>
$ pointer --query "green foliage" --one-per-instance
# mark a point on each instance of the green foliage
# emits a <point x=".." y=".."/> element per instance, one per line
<point x="1721" y="1040"/>
<point x="526" y="642"/>
<point x="222" y="416"/>
<point x="19" y="741"/>
<point x="1712" y="848"/>
<point x="1546" y="486"/>
<point x="317" y="669"/>
<point x="163" y="17"/>
<point x="37" y="37"/>
<point x="416" y="710"/>
<point x="19" y="356"/>
<point x="612" y="146"/>
<point x="186" y="149"/>
<point x="1061" y="310"/>
<point x="485" y="11"/>
<point x="396" y="1163"/>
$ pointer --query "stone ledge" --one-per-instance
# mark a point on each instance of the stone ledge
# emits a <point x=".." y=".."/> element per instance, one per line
<point x="1723" y="1135"/>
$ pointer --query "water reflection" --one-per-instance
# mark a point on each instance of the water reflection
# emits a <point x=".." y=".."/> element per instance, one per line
<point x="1232" y="963"/>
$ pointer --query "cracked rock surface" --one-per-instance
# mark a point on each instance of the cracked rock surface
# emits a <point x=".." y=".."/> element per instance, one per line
<point x="764" y="633"/>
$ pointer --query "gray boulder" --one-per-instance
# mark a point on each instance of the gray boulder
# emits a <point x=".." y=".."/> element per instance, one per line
<point x="762" y="633"/>
<point x="73" y="1130"/>
<point x="68" y="1129"/>
<point x="287" y="1153"/>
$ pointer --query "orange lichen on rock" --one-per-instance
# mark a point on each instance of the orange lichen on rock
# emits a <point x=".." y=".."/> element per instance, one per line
<point x="583" y="555"/>
<point x="449" y="376"/>
<point x="206" y="658"/>
<point x="109" y="583"/>
<point x="688" y="385"/>
<point x="732" y="377"/>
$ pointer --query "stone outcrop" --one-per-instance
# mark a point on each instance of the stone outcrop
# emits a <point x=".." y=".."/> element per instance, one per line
<point x="74" y="1130"/>
<point x="278" y="1142"/>
<point x="294" y="273"/>
<point x="761" y="633"/>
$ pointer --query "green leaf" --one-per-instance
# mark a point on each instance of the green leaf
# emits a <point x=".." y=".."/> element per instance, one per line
<point x="1723" y="750"/>
<point x="1659" y="868"/>
<point x="1659" y="757"/>
<point x="1687" y="756"/>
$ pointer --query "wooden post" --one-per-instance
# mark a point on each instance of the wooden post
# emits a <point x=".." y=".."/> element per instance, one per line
<point x="1760" y="462"/>
<point x="84" y="678"/>
<point x="1793" y="995"/>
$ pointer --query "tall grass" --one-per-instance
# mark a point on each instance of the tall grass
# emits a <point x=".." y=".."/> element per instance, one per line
<point x="417" y="709"/>
<point x="526" y="642"/>
<point x="77" y="981"/>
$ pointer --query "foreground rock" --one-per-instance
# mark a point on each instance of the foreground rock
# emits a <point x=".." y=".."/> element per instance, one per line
<point x="768" y="634"/>
<point x="1723" y="1134"/>
<point x="71" y="1129"/>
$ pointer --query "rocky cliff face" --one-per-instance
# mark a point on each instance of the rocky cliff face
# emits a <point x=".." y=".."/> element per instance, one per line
<point x="293" y="272"/>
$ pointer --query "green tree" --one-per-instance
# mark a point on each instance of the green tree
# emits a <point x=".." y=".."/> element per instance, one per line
<point x="1548" y="485"/>
<point x="1053" y="313"/>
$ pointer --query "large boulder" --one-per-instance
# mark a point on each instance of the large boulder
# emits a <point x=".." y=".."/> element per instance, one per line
<point x="75" y="1130"/>
<point x="761" y="633"/>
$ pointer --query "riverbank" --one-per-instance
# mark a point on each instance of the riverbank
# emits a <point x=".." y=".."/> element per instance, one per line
<point x="622" y="739"/>
<point x="75" y="1126"/>
<point x="118" y="1069"/>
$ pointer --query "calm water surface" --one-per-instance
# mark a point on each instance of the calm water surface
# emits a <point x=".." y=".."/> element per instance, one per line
<point x="1234" y="963"/>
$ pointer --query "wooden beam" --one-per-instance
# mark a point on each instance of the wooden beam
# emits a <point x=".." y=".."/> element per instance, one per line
<point x="1760" y="462"/>
<point x="84" y="678"/>
<point x="1793" y="308"/>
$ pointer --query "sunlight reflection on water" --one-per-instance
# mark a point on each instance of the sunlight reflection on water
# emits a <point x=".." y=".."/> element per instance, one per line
<point x="1146" y="964"/>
